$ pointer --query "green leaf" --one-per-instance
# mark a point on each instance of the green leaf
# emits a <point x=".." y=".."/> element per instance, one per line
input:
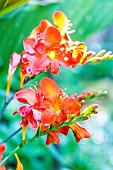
<point x="9" y="5"/>
<point x="2" y="2"/>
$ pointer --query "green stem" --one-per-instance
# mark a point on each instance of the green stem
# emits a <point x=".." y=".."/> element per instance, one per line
<point x="39" y="134"/>
<point x="12" y="7"/>
<point x="7" y="101"/>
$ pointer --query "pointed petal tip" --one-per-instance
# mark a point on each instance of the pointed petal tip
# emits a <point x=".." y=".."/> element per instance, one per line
<point x="49" y="88"/>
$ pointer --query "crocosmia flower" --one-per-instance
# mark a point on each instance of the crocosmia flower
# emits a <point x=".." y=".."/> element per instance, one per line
<point x="79" y="131"/>
<point x="49" y="105"/>
<point x="49" y="47"/>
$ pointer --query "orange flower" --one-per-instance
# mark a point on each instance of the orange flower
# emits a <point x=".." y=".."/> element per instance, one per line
<point x="52" y="137"/>
<point x="50" y="105"/>
<point x="46" y="105"/>
<point x="80" y="53"/>
<point x="50" y="46"/>
<point x="79" y="131"/>
<point x="60" y="105"/>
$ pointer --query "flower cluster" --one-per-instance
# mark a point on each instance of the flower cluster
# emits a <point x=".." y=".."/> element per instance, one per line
<point x="48" y="106"/>
<point x="50" y="46"/>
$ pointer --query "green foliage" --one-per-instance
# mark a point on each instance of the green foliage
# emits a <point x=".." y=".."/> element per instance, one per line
<point x="9" y="5"/>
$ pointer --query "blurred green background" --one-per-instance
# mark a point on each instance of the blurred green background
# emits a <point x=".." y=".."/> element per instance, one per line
<point x="93" y="21"/>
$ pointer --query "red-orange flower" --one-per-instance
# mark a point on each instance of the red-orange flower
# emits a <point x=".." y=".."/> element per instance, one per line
<point x="80" y="53"/>
<point x="52" y="137"/>
<point x="79" y="131"/>
<point x="48" y="104"/>
<point x="50" y="46"/>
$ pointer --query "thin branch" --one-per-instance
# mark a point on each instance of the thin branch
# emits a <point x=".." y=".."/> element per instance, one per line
<point x="9" y="137"/>
<point x="7" y="101"/>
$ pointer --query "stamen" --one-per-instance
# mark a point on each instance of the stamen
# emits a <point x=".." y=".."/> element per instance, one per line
<point x="66" y="58"/>
<point x="71" y="31"/>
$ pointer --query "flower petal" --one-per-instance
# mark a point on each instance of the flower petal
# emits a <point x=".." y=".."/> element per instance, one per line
<point x="24" y="110"/>
<point x="67" y="60"/>
<point x="51" y="36"/>
<point x="3" y="167"/>
<point x="79" y="131"/>
<point x="47" y="117"/>
<point x="49" y="88"/>
<point x="61" y="21"/>
<point x="2" y="149"/>
<point x="64" y="130"/>
<point x="39" y="64"/>
<point x="52" y="137"/>
<point x="71" y="106"/>
<point x="54" y="67"/>
<point x="41" y="28"/>
<point x="81" y="47"/>
<point x="29" y="45"/>
<point x="33" y="123"/>
<point x="60" y="117"/>
<point x="79" y="53"/>
<point x="26" y="96"/>
<point x="37" y="114"/>
<point x="14" y="61"/>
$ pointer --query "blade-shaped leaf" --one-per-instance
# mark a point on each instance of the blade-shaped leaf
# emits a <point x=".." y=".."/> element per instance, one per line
<point x="9" y="5"/>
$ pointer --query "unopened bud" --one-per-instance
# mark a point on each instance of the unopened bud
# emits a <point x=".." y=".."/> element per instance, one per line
<point x="90" y="110"/>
